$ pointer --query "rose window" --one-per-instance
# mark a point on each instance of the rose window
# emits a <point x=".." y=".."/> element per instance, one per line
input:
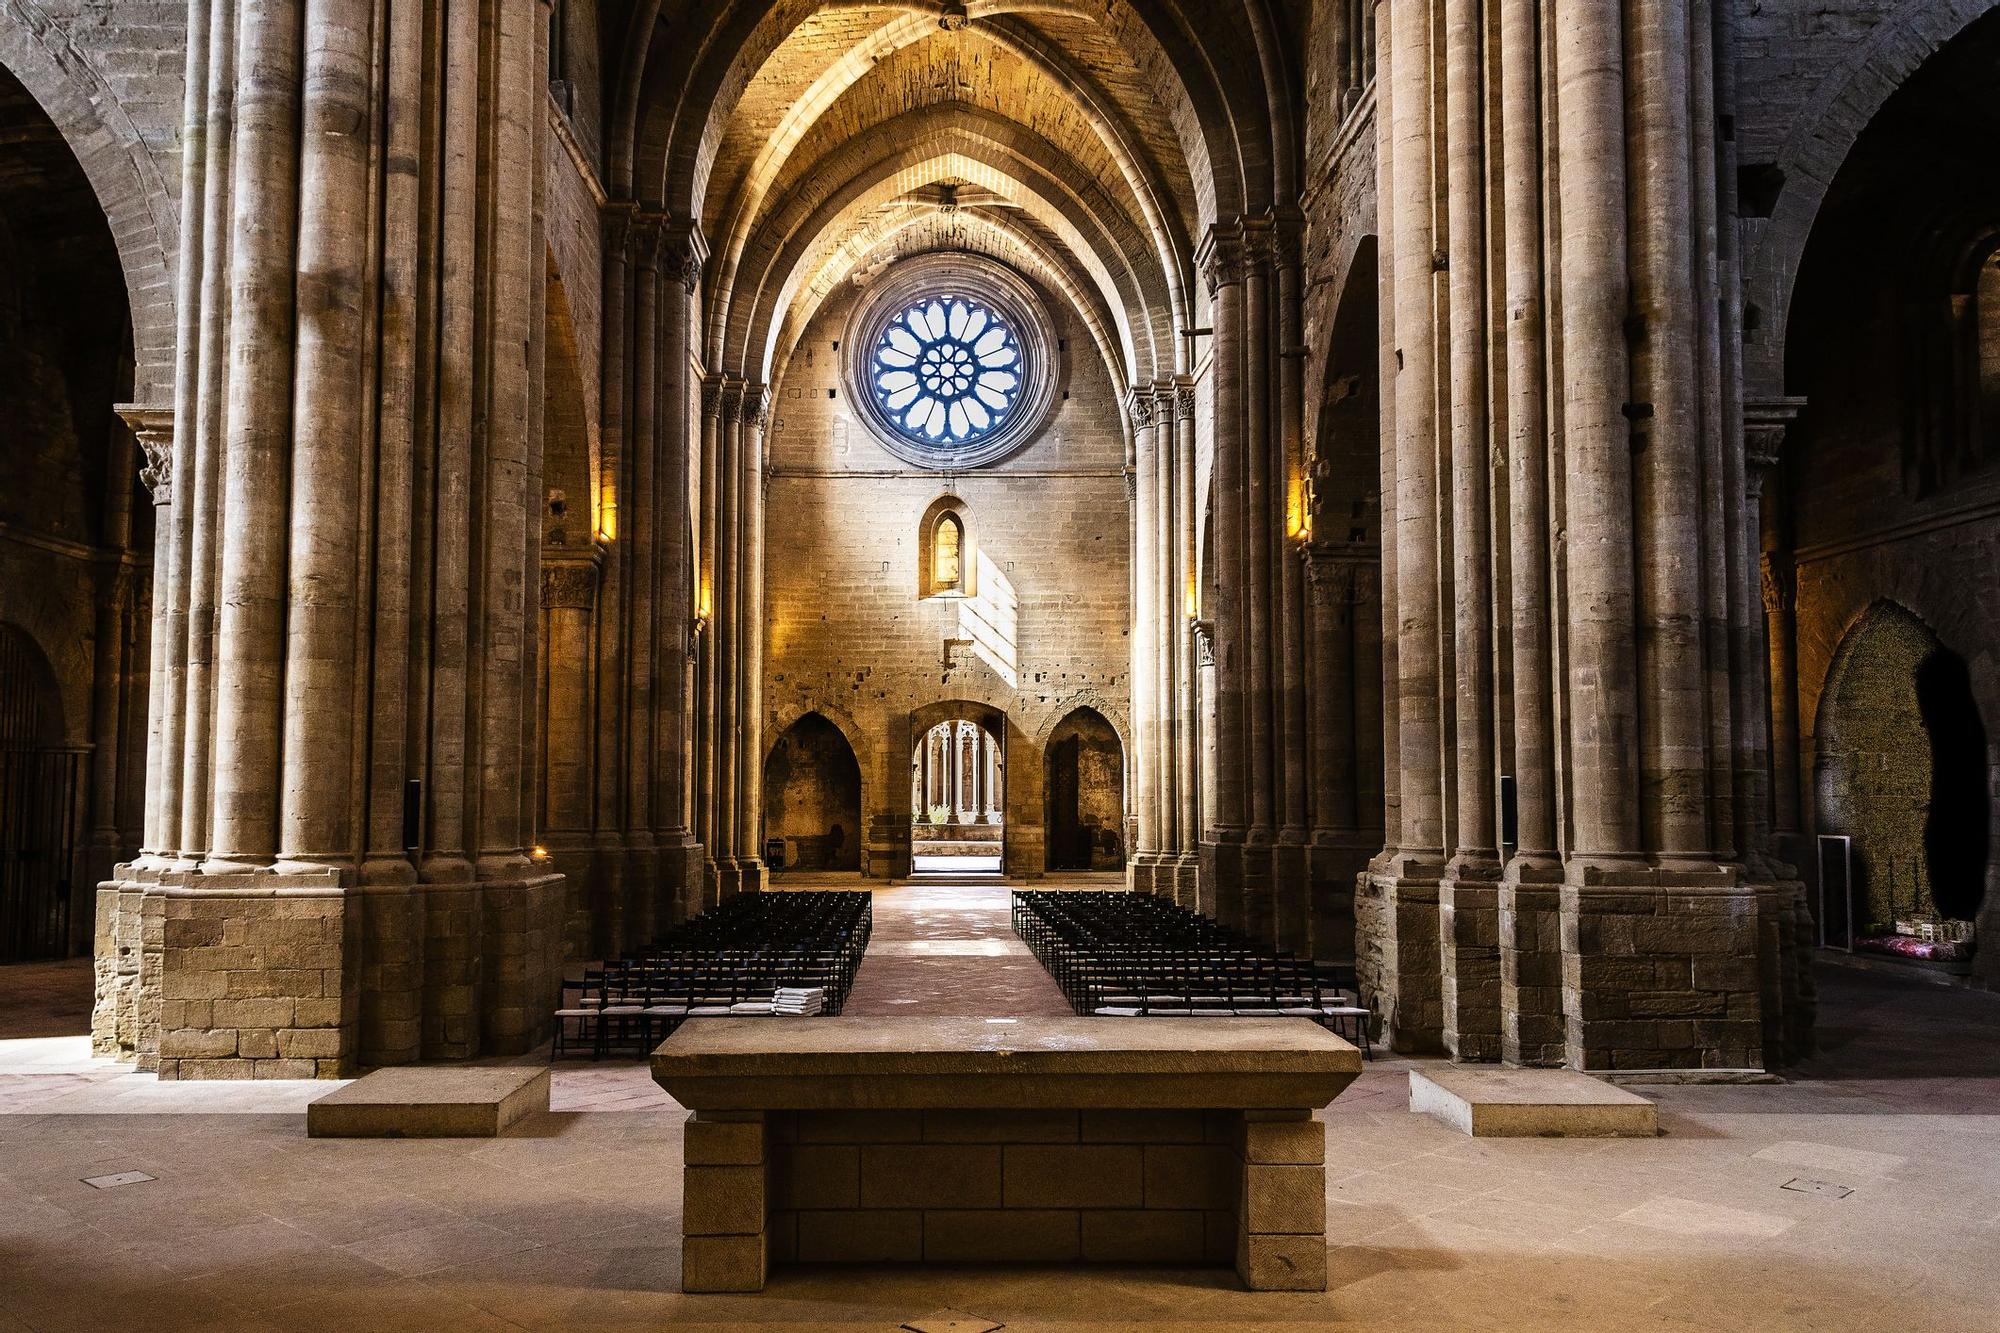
<point x="947" y="371"/>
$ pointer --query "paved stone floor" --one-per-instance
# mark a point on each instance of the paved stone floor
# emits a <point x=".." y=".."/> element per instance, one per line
<point x="574" y="1222"/>
<point x="950" y="951"/>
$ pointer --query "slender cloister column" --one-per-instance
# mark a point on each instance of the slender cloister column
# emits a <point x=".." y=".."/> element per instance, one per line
<point x="1145" y="776"/>
<point x="756" y="415"/>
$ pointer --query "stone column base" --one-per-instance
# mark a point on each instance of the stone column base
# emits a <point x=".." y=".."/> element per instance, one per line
<point x="1222" y="879"/>
<point x="752" y="876"/>
<point x="1531" y="1014"/>
<point x="1143" y="874"/>
<point x="1469" y="958"/>
<point x="268" y="975"/>
<point x="1397" y="950"/>
<point x="1335" y="860"/>
<point x="521" y="963"/>
<point x="642" y="919"/>
<point x="1184" y="874"/>
<point x="683" y="881"/>
<point x="1258" y="907"/>
<point x="1661" y="969"/>
<point x="1291" y="895"/>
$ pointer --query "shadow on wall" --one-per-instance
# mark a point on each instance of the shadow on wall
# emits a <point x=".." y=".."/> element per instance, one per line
<point x="812" y="797"/>
<point x="1902" y="762"/>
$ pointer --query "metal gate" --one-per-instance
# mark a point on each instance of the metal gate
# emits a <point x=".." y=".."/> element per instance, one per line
<point x="41" y="814"/>
<point x="41" y="807"/>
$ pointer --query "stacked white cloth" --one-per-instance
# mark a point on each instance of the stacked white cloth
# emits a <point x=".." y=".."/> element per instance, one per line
<point x="799" y="1003"/>
<point x="759" y="1007"/>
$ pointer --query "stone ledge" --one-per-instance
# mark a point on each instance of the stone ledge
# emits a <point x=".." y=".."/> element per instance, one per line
<point x="458" y="1102"/>
<point x="1530" y="1103"/>
<point x="1046" y="1064"/>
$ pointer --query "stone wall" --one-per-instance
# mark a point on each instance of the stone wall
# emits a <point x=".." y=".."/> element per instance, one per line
<point x="1029" y="1186"/>
<point x="847" y="634"/>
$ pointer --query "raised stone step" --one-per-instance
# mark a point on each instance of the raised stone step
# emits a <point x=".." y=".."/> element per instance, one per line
<point x="1490" y="1102"/>
<point x="417" y="1102"/>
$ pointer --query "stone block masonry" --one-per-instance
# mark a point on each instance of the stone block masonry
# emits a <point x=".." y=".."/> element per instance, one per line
<point x="255" y="982"/>
<point x="1005" y="1186"/>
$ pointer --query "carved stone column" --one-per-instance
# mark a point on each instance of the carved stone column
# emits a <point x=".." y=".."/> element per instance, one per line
<point x="569" y="600"/>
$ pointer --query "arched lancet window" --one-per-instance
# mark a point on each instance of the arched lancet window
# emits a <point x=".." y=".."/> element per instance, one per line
<point x="947" y="559"/>
<point x="947" y="555"/>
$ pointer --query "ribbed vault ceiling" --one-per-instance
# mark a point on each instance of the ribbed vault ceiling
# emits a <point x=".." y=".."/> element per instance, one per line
<point x="1090" y="144"/>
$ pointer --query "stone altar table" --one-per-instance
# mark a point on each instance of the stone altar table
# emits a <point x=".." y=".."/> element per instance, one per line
<point x="1140" y="1141"/>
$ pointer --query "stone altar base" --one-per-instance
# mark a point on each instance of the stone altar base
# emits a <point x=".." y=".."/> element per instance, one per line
<point x="459" y="1102"/>
<point x="1493" y="1103"/>
<point x="1143" y="1141"/>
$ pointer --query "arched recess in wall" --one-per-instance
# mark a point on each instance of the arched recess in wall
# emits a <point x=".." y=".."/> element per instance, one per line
<point x="1084" y="793"/>
<point x="1901" y="769"/>
<point x="41" y="807"/>
<point x="812" y="797"/>
<point x="1879" y="520"/>
<point x="1344" y="559"/>
<point x="1797" y="185"/>
<point x="947" y="550"/>
<point x="76" y="526"/>
<point x="120" y="176"/>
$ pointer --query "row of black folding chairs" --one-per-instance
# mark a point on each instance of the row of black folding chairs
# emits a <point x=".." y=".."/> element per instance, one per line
<point x="730" y="960"/>
<point x="1131" y="955"/>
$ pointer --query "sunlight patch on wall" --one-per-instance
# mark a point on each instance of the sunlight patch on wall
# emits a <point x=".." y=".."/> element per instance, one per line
<point x="991" y="620"/>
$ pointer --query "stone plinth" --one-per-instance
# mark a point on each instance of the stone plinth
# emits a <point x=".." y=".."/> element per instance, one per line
<point x="1530" y="1103"/>
<point x="459" y="1102"/>
<point x="1080" y="1140"/>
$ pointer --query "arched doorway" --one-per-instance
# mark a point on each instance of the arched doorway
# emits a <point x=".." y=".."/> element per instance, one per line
<point x="1085" y="792"/>
<point x="958" y="799"/>
<point x="812" y="799"/>
<point x="1878" y="518"/>
<point x="1901" y="773"/>
<point x="76" y="536"/>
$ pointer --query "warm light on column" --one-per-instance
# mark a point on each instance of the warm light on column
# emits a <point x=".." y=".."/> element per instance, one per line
<point x="1298" y="510"/>
<point x="606" y="505"/>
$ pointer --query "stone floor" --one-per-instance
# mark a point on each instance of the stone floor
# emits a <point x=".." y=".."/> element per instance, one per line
<point x="1862" y="1194"/>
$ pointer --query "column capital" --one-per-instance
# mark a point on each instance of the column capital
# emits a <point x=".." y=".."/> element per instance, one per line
<point x="1203" y="633"/>
<point x="1337" y="573"/>
<point x="1220" y="257"/>
<point x="1184" y="398"/>
<point x="643" y="240"/>
<point x="569" y="583"/>
<point x="616" y="218"/>
<point x="732" y="401"/>
<point x="1765" y="422"/>
<point x="153" y="428"/>
<point x="711" y="395"/>
<point x="756" y="406"/>
<point x="1141" y="405"/>
<point x="683" y="252"/>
